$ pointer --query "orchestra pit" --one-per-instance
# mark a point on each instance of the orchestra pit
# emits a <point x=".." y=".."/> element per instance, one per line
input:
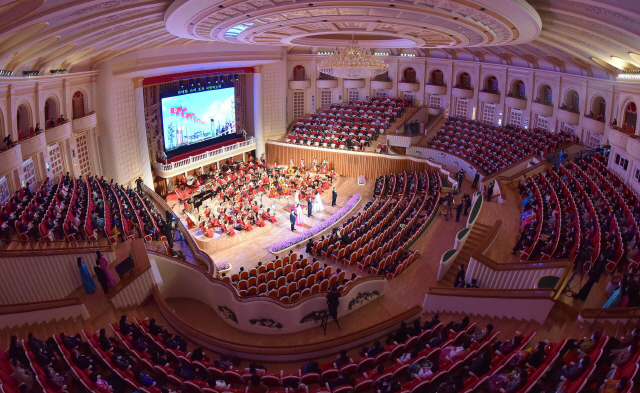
<point x="269" y="196"/>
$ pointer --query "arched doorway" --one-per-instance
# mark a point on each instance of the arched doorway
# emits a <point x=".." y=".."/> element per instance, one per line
<point x="518" y="89"/>
<point x="464" y="81"/>
<point x="572" y="101"/>
<point x="598" y="108"/>
<point x="491" y="84"/>
<point x="409" y="75"/>
<point x="23" y="120"/>
<point x="298" y="73"/>
<point x="437" y="77"/>
<point x="78" y="104"/>
<point x="50" y="111"/>
<point x="545" y="95"/>
<point x="630" y="117"/>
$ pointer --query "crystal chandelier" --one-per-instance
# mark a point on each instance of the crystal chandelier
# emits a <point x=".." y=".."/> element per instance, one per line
<point x="353" y="63"/>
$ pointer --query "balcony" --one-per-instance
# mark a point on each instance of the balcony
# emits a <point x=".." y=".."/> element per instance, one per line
<point x="10" y="159"/>
<point x="492" y="98"/>
<point x="436" y="89"/>
<point x="34" y="144"/>
<point x="353" y="83"/>
<point x="408" y="86"/>
<point x="593" y="125"/>
<point x="85" y="122"/>
<point x="544" y="110"/>
<point x="299" y="85"/>
<point x="433" y="110"/>
<point x="175" y="168"/>
<point x="633" y="147"/>
<point x="58" y="133"/>
<point x="381" y="85"/>
<point x="618" y="138"/>
<point x="568" y="117"/>
<point x="462" y="93"/>
<point x="326" y="83"/>
<point x="518" y="103"/>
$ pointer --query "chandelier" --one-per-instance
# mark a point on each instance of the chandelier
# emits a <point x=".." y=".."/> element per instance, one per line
<point x="353" y="63"/>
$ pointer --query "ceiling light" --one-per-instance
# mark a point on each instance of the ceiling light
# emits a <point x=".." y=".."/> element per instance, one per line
<point x="353" y="63"/>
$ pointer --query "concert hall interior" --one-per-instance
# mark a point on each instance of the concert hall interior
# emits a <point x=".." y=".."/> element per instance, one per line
<point x="254" y="196"/>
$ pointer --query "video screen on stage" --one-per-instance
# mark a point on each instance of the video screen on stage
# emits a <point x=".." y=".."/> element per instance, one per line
<point x="196" y="117"/>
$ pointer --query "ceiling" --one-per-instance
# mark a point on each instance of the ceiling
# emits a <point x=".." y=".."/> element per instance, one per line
<point x="593" y="38"/>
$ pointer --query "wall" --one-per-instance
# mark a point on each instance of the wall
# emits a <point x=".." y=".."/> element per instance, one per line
<point x="273" y="99"/>
<point x="216" y="294"/>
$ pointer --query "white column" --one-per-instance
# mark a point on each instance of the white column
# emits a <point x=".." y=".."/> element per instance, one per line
<point x="141" y="132"/>
<point x="106" y="119"/>
<point x="257" y="111"/>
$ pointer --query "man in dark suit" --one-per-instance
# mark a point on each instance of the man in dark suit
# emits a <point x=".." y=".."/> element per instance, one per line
<point x="459" y="207"/>
<point x="309" y="207"/>
<point x="292" y="218"/>
<point x="334" y="197"/>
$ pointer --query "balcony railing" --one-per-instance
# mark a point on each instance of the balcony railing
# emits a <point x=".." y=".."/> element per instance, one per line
<point x="204" y="158"/>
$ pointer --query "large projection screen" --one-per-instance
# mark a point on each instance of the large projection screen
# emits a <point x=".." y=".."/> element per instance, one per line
<point x="197" y="117"/>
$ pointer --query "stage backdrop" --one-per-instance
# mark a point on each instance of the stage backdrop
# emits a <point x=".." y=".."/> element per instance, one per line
<point x="153" y="111"/>
<point x="371" y="165"/>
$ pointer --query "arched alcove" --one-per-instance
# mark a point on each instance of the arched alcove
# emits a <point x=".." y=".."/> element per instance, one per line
<point x="571" y="101"/>
<point x="518" y="89"/>
<point x="464" y="81"/>
<point x="491" y="84"/>
<point x="409" y="75"/>
<point x="51" y="110"/>
<point x="23" y="120"/>
<point x="78" y="104"/>
<point x="437" y="78"/>
<point x="545" y="95"/>
<point x="598" y="108"/>
<point x="630" y="116"/>
<point x="299" y="73"/>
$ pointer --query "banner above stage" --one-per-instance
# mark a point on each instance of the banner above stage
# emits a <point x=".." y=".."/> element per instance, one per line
<point x="168" y="78"/>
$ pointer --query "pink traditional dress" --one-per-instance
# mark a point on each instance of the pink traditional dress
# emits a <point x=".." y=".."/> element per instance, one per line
<point x="104" y="264"/>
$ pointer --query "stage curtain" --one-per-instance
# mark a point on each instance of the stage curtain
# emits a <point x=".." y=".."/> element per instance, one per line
<point x="346" y="164"/>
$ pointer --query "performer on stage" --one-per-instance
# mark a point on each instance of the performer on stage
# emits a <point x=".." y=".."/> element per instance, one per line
<point x="317" y="204"/>
<point x="298" y="214"/>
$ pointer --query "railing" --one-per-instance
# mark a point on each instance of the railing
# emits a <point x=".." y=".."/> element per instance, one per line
<point x="609" y="313"/>
<point x="204" y="156"/>
<point x="286" y="352"/>
<point x="15" y="315"/>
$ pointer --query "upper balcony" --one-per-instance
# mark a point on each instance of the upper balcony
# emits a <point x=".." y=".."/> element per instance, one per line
<point x="58" y="133"/>
<point x="175" y="168"/>
<point x="353" y="83"/>
<point x="299" y="85"/>
<point x="408" y="86"/>
<point x="85" y="122"/>
<point x="33" y="144"/>
<point x="568" y="117"/>
<point x="516" y="102"/>
<point x="462" y="93"/>
<point x="618" y="137"/>
<point x="490" y="97"/>
<point x="381" y="85"/>
<point x="436" y="89"/>
<point x="326" y="83"/>
<point x="543" y="109"/>
<point x="593" y="125"/>
<point x="10" y="159"/>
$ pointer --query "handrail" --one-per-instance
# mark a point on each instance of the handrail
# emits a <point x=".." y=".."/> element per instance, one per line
<point x="188" y="330"/>
<point x="36" y="306"/>
<point x="206" y="155"/>
<point x="497" y="173"/>
<point x="605" y="313"/>
<point x="55" y="251"/>
<point x="494" y="293"/>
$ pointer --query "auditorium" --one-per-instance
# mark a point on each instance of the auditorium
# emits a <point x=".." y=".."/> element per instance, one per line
<point x="272" y="196"/>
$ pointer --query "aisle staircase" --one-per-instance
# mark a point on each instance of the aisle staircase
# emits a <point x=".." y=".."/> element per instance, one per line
<point x="477" y="236"/>
<point x="432" y="132"/>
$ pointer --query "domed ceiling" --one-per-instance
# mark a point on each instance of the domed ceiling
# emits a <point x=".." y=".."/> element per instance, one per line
<point x="594" y="38"/>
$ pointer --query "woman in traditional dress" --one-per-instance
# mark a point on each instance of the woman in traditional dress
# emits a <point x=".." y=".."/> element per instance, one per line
<point x="296" y="198"/>
<point x="317" y="204"/>
<point x="87" y="281"/>
<point x="104" y="264"/>
<point x="299" y="214"/>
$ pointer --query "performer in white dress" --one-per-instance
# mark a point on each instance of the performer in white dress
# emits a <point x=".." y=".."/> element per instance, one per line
<point x="296" y="197"/>
<point x="299" y="214"/>
<point x="317" y="204"/>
